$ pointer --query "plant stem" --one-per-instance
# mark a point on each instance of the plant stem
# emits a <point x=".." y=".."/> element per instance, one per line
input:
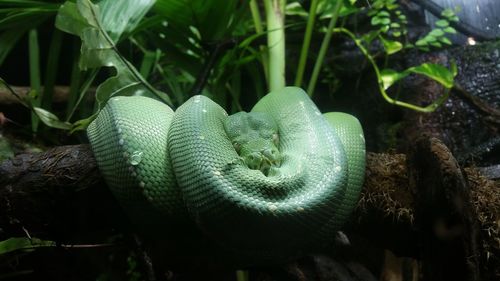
<point x="324" y="48"/>
<point x="257" y="20"/>
<point x="34" y="60"/>
<point x="430" y="108"/>
<point x="275" y="17"/>
<point x="51" y="69"/>
<point x="85" y="86"/>
<point x="127" y="64"/>
<point x="307" y="41"/>
<point x="11" y="90"/>
<point x="242" y="275"/>
<point x="76" y="76"/>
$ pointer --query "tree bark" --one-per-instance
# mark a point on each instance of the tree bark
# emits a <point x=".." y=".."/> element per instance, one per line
<point x="58" y="194"/>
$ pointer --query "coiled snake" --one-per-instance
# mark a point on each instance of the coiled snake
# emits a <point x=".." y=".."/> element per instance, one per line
<point x="277" y="181"/>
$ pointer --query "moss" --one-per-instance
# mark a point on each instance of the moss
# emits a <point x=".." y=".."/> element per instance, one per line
<point x="485" y="196"/>
<point x="386" y="188"/>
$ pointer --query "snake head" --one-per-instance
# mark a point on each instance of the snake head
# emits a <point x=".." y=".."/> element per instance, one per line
<point x="255" y="138"/>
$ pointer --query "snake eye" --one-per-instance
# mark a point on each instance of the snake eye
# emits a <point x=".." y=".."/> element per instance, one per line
<point x="237" y="146"/>
<point x="276" y="139"/>
<point x="253" y="160"/>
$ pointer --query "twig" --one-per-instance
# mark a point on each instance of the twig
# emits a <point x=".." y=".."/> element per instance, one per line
<point x="478" y="103"/>
<point x="463" y="27"/>
<point x="202" y="78"/>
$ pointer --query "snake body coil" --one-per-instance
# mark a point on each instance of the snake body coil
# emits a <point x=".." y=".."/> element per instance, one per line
<point x="273" y="183"/>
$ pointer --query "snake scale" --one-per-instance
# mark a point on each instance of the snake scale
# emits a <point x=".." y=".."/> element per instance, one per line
<point x="274" y="182"/>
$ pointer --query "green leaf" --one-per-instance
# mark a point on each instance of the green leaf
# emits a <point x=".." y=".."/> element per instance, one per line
<point x="295" y="9"/>
<point x="98" y="48"/>
<point x="448" y="13"/>
<point x="384" y="28"/>
<point x="70" y="20"/>
<point x="442" y="23"/>
<point x="347" y="9"/>
<point x="326" y="9"/>
<point x="383" y="14"/>
<point x="391" y="7"/>
<point x="82" y="124"/>
<point x="429" y="38"/>
<point x="8" y="40"/>
<point x="421" y="43"/>
<point x="30" y="14"/>
<point x="436" y="72"/>
<point x="24" y="244"/>
<point x="436" y="44"/>
<point x="50" y="119"/>
<point x="450" y="30"/>
<point x="437" y="32"/>
<point x="148" y="62"/>
<point x="385" y="21"/>
<point x="445" y="40"/>
<point x="454" y="68"/>
<point x="118" y="17"/>
<point x="372" y="12"/>
<point x="219" y="13"/>
<point x="390" y="76"/>
<point x="370" y="36"/>
<point x="376" y="21"/>
<point x="391" y="46"/>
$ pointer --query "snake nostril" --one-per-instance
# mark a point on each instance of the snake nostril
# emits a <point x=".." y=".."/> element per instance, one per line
<point x="271" y="154"/>
<point x="253" y="160"/>
<point x="237" y="147"/>
<point x="276" y="139"/>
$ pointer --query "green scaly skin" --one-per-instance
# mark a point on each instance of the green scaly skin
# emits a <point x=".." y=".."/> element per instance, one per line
<point x="269" y="184"/>
<point x="255" y="138"/>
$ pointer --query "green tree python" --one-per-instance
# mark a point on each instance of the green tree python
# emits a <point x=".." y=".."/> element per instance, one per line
<point x="274" y="182"/>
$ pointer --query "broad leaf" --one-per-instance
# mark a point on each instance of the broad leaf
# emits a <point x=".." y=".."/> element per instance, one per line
<point x="50" y="119"/>
<point x="119" y="17"/>
<point x="390" y="76"/>
<point x="391" y="46"/>
<point x="450" y="29"/>
<point x="442" y="23"/>
<point x="91" y="24"/>
<point x="23" y="243"/>
<point x="17" y="17"/>
<point x="8" y="40"/>
<point x="437" y="32"/>
<point x="219" y="13"/>
<point x="70" y="20"/>
<point x="437" y="72"/>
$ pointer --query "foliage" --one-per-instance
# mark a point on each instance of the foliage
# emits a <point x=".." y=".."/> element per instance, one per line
<point x="391" y="28"/>
<point x="100" y="27"/>
<point x="437" y="37"/>
<point x="18" y="17"/>
<point x="176" y="51"/>
<point x="23" y="244"/>
<point x="172" y="49"/>
<point x="390" y="24"/>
